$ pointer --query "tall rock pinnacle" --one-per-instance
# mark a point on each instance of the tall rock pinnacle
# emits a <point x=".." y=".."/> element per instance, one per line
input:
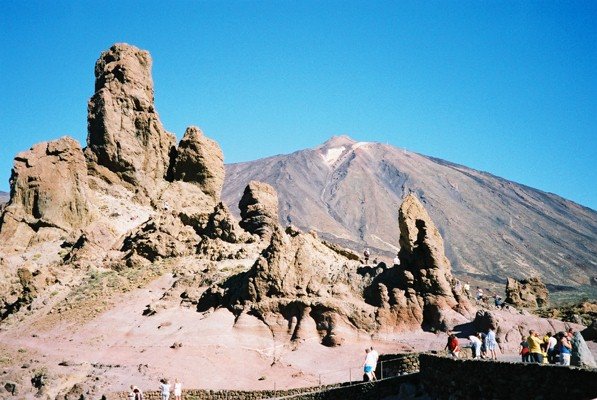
<point x="125" y="135"/>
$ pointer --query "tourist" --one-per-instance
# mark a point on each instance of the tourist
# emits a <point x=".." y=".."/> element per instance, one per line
<point x="491" y="343"/>
<point x="479" y="296"/>
<point x="483" y="347"/>
<point x="375" y="357"/>
<point x="457" y="287"/>
<point x="165" y="389"/>
<point x="452" y="346"/>
<point x="467" y="289"/>
<point x="177" y="389"/>
<point x="368" y="366"/>
<point x="552" y="348"/>
<point x="535" y="347"/>
<point x="524" y="350"/>
<point x="367" y="254"/>
<point x="131" y="395"/>
<point x="396" y="260"/>
<point x="499" y="303"/>
<point x="475" y="345"/>
<point x="565" y="348"/>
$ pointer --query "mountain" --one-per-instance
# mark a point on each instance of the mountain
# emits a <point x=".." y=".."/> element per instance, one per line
<point x="4" y="197"/>
<point x="349" y="192"/>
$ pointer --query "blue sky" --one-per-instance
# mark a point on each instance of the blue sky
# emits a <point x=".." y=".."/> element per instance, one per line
<point x="501" y="86"/>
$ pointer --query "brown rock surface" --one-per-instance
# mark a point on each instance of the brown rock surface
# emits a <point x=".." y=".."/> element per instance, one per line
<point x="199" y="160"/>
<point x="126" y="141"/>
<point x="259" y="209"/>
<point x="529" y="293"/>
<point x="418" y="292"/>
<point x="48" y="193"/>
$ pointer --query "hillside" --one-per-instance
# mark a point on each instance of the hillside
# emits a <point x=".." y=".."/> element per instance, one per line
<point x="349" y="192"/>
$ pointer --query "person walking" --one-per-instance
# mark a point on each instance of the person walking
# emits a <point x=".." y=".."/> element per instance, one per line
<point x="524" y="350"/>
<point x="369" y="365"/>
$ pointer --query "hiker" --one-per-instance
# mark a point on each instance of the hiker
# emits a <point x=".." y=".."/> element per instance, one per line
<point x="366" y="254"/>
<point x="499" y="303"/>
<point x="368" y="366"/>
<point x="535" y="347"/>
<point x="491" y="343"/>
<point x="452" y="346"/>
<point x="396" y="260"/>
<point x="475" y="345"/>
<point x="177" y="389"/>
<point x="131" y="395"/>
<point x="524" y="350"/>
<point x="165" y="389"/>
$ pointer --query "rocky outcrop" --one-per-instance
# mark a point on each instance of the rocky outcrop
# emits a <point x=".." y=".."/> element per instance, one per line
<point x="126" y="141"/>
<point x="49" y="193"/>
<point x="199" y="160"/>
<point x="418" y="292"/>
<point x="581" y="355"/>
<point x="259" y="209"/>
<point x="163" y="236"/>
<point x="528" y="293"/>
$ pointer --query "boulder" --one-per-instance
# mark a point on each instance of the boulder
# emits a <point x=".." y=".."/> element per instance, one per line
<point x="199" y="160"/>
<point x="126" y="142"/>
<point x="49" y="192"/>
<point x="528" y="293"/>
<point x="259" y="209"/>
<point x="581" y="355"/>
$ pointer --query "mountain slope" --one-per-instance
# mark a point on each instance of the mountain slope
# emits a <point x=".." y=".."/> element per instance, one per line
<point x="349" y="192"/>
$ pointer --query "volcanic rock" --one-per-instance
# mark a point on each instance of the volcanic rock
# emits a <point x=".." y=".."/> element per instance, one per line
<point x="418" y="292"/>
<point x="530" y="293"/>
<point x="199" y="160"/>
<point x="49" y="193"/>
<point x="126" y="141"/>
<point x="581" y="355"/>
<point x="259" y="209"/>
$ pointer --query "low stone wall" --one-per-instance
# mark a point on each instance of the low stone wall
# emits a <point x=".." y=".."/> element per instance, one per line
<point x="390" y="365"/>
<point x="446" y="378"/>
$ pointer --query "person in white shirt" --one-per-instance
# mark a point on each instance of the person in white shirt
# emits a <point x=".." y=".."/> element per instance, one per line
<point x="369" y="365"/>
<point x="475" y="345"/>
<point x="375" y="357"/>
<point x="165" y="389"/>
<point x="551" y="348"/>
<point x="396" y="260"/>
<point x="177" y="389"/>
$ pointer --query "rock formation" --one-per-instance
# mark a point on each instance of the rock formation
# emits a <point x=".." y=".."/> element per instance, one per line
<point x="301" y="279"/>
<point x="581" y="355"/>
<point x="126" y="141"/>
<point x="529" y="293"/>
<point x="259" y="209"/>
<point x="418" y="292"/>
<point x="49" y="193"/>
<point x="200" y="160"/>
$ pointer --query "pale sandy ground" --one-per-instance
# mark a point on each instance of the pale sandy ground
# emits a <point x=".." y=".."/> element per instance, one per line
<point x="121" y="347"/>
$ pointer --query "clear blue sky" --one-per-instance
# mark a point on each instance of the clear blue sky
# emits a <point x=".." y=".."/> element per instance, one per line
<point x="507" y="87"/>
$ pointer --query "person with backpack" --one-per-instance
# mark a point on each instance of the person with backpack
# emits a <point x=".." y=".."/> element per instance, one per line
<point x="524" y="351"/>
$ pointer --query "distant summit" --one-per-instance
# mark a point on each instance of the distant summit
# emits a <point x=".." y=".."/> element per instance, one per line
<point x="349" y="192"/>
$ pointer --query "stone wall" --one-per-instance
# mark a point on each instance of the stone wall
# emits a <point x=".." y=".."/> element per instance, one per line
<point x="397" y="364"/>
<point x="446" y="378"/>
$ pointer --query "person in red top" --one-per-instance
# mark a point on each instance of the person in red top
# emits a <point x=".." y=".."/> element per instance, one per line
<point x="452" y="346"/>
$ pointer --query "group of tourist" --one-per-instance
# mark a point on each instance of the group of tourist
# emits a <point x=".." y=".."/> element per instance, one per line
<point x="165" y="389"/>
<point x="483" y="345"/>
<point x="552" y="349"/>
